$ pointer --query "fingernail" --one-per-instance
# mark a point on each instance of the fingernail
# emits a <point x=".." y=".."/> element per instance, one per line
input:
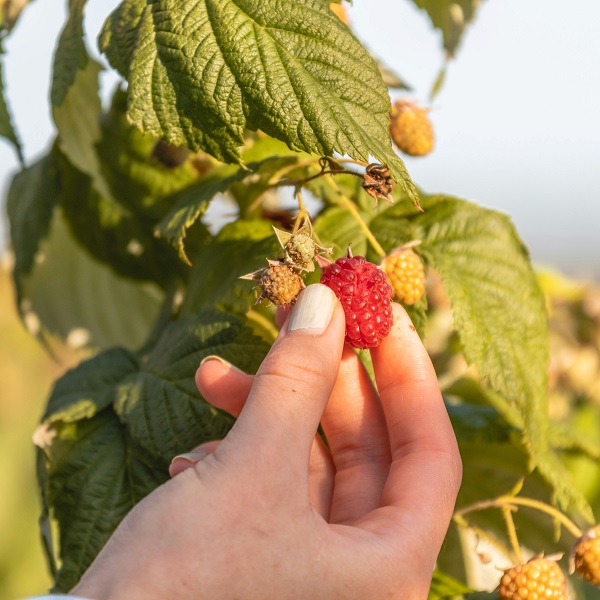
<point x="226" y="365"/>
<point x="313" y="309"/>
<point x="190" y="457"/>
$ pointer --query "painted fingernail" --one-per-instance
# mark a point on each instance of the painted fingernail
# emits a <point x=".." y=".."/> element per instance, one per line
<point x="313" y="309"/>
<point x="189" y="457"/>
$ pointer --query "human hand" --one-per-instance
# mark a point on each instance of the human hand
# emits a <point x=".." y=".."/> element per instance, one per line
<point x="271" y="513"/>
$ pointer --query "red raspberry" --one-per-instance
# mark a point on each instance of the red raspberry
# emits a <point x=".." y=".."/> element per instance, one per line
<point x="366" y="298"/>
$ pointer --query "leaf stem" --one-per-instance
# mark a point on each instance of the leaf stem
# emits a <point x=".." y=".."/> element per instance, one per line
<point x="511" y="501"/>
<point x="302" y="212"/>
<point x="512" y="533"/>
<point x="351" y="208"/>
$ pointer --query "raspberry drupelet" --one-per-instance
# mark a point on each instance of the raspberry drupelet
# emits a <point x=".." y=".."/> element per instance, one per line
<point x="365" y="296"/>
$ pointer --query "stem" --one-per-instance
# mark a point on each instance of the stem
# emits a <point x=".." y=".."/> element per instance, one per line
<point x="302" y="212"/>
<point x="274" y="179"/>
<point x="351" y="161"/>
<point x="512" y="533"/>
<point x="351" y="207"/>
<point x="508" y="501"/>
<point x="481" y="533"/>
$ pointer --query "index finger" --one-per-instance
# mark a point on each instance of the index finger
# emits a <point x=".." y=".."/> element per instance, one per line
<point x="425" y="473"/>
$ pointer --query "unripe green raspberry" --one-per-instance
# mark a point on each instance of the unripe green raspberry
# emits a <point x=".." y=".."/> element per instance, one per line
<point x="301" y="250"/>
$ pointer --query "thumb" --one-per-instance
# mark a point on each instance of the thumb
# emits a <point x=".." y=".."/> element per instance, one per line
<point x="294" y="382"/>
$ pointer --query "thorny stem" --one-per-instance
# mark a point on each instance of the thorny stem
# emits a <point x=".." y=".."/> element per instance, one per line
<point x="512" y="533"/>
<point x="512" y="501"/>
<point x="351" y="207"/>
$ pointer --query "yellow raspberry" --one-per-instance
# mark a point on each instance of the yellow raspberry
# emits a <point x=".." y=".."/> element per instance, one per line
<point x="539" y="579"/>
<point x="585" y="556"/>
<point x="411" y="128"/>
<point x="406" y="274"/>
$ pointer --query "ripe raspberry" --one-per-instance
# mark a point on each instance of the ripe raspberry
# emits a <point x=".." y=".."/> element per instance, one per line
<point x="406" y="274"/>
<point x="585" y="556"/>
<point x="539" y="578"/>
<point x="365" y="296"/>
<point x="280" y="284"/>
<point x="411" y="128"/>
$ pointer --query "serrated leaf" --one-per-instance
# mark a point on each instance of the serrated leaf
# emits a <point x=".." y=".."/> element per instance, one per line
<point x="240" y="248"/>
<point x="296" y="73"/>
<point x="7" y="129"/>
<point x="451" y="17"/>
<point x="498" y="308"/>
<point x="88" y="317"/>
<point x="71" y="54"/>
<point x="160" y="405"/>
<point x="94" y="477"/>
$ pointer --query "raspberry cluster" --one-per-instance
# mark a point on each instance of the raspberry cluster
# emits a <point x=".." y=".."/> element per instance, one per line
<point x="365" y="297"/>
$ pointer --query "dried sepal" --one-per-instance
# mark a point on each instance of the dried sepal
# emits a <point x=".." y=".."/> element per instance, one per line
<point x="378" y="183"/>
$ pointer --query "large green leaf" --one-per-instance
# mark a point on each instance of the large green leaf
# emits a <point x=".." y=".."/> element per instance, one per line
<point x="70" y="295"/>
<point x="7" y="129"/>
<point x="114" y="423"/>
<point x="445" y="586"/>
<point x="451" y="17"/>
<point x="93" y="477"/>
<point x="200" y="73"/>
<point x="71" y="54"/>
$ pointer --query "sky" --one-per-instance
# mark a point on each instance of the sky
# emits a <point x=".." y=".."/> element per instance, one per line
<point x="517" y="122"/>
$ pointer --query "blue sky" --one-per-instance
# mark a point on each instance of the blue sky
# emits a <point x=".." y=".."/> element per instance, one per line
<point x="517" y="122"/>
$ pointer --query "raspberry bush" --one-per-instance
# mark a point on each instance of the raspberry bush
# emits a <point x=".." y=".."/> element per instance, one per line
<point x="117" y="249"/>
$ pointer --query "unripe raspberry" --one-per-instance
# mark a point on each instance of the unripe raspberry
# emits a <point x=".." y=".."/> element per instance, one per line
<point x="406" y="274"/>
<point x="365" y="297"/>
<point x="540" y="579"/>
<point x="280" y="284"/>
<point x="301" y="250"/>
<point x="411" y="128"/>
<point x="585" y="556"/>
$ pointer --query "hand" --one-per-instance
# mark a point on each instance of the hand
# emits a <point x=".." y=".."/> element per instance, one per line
<point x="269" y="512"/>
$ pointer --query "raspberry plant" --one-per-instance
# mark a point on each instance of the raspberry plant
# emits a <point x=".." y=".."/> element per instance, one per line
<point x="259" y="101"/>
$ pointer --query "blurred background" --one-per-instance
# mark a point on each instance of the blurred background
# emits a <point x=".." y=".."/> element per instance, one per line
<point x="517" y="129"/>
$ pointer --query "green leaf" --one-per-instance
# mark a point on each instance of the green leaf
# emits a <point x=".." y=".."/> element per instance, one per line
<point x="498" y="308"/>
<point x="445" y="586"/>
<point x="71" y="54"/>
<point x="138" y="180"/>
<point x="77" y="121"/>
<point x="32" y="197"/>
<point x="7" y="130"/>
<point x="295" y="72"/>
<point x="160" y="405"/>
<point x="191" y="203"/>
<point x="240" y="248"/>
<point x="69" y="295"/>
<point x="451" y="17"/>
<point x="93" y="478"/>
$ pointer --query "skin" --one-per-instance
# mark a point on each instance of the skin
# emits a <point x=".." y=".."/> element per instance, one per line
<point x="270" y="512"/>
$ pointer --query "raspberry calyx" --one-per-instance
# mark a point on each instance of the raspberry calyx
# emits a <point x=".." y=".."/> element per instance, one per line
<point x="365" y="297"/>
